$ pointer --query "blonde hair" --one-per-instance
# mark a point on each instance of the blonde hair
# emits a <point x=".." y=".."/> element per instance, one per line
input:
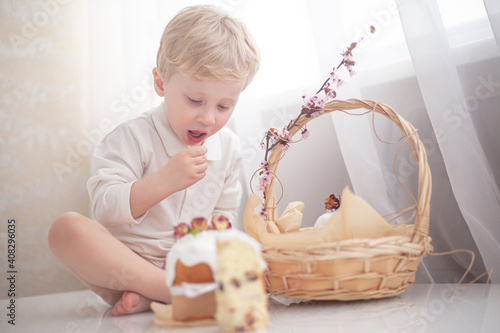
<point x="204" y="43"/>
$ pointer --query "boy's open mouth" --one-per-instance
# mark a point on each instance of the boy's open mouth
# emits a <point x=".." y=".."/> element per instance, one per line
<point x="196" y="136"/>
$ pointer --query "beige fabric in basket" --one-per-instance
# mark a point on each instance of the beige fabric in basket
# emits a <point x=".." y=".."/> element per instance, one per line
<point x="354" y="219"/>
<point x="291" y="219"/>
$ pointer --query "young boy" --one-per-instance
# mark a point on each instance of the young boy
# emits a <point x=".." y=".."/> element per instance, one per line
<point x="171" y="164"/>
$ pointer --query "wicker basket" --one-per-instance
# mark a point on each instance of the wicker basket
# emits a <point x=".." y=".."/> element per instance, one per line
<point x="352" y="269"/>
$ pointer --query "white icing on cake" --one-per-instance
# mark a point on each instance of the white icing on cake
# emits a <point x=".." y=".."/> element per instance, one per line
<point x="201" y="248"/>
<point x="192" y="290"/>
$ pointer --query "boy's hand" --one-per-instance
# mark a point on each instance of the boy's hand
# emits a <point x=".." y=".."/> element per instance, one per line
<point x="181" y="171"/>
<point x="186" y="168"/>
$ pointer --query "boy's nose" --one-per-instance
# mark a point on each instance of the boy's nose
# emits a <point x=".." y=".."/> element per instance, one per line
<point x="207" y="117"/>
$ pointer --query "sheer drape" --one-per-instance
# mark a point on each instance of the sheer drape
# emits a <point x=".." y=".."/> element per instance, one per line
<point x="450" y="108"/>
<point x="432" y="69"/>
<point x="493" y="11"/>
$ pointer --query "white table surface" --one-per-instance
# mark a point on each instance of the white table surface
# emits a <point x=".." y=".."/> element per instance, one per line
<point x="422" y="308"/>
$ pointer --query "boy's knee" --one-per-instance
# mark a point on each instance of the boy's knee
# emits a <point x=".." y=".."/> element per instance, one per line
<point x="63" y="229"/>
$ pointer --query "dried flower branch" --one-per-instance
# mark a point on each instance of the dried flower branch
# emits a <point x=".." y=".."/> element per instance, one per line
<point x="312" y="107"/>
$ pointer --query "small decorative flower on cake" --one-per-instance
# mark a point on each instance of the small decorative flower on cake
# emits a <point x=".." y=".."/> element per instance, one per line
<point x="220" y="222"/>
<point x="199" y="224"/>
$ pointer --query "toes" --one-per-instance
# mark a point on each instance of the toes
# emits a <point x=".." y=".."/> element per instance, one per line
<point x="129" y="300"/>
<point x="130" y="303"/>
<point x="125" y="305"/>
<point x="117" y="310"/>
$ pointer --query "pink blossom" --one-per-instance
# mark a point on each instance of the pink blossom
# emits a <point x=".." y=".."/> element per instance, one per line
<point x="305" y="134"/>
<point x="331" y="94"/>
<point x="317" y="113"/>
<point x="334" y="76"/>
<point x="266" y="175"/>
<point x="310" y="100"/>
<point x="271" y="138"/>
<point x="263" y="213"/>
<point x="314" y="101"/>
<point x="283" y="132"/>
<point x="260" y="188"/>
<point x="347" y="58"/>
<point x="286" y="147"/>
<point x="264" y="179"/>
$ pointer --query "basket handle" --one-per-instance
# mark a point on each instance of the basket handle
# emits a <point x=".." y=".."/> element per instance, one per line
<point x="421" y="229"/>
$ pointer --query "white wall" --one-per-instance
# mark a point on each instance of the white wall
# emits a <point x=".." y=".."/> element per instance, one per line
<point x="44" y="152"/>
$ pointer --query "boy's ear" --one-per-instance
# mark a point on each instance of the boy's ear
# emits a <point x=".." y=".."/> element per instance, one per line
<point x="158" y="82"/>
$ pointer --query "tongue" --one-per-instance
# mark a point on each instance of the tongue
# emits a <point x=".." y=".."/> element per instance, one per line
<point x="196" y="134"/>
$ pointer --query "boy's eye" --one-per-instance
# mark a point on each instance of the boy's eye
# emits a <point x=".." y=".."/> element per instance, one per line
<point x="194" y="101"/>
<point x="223" y="107"/>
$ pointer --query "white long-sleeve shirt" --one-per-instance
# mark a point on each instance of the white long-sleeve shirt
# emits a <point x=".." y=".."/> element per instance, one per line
<point x="142" y="146"/>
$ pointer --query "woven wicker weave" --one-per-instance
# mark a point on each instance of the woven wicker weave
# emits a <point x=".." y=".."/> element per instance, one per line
<point x="356" y="268"/>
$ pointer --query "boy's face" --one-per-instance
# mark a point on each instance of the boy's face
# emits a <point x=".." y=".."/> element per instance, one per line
<point x="197" y="109"/>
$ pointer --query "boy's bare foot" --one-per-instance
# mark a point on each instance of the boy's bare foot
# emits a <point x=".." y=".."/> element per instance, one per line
<point x="131" y="302"/>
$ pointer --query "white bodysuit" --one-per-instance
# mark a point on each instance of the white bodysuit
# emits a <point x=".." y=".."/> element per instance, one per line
<point x="142" y="146"/>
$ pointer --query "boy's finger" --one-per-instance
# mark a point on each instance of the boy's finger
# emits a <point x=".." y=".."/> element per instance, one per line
<point x="202" y="159"/>
<point x="197" y="151"/>
<point x="201" y="168"/>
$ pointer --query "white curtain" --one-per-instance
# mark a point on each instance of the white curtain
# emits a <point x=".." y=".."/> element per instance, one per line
<point x="437" y="65"/>
<point x="438" y="73"/>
